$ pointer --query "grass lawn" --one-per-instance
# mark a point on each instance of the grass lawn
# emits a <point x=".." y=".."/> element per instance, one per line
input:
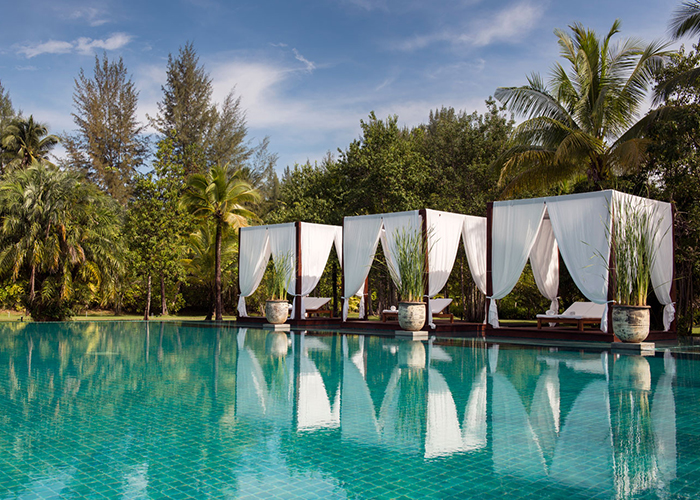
<point x="108" y="316"/>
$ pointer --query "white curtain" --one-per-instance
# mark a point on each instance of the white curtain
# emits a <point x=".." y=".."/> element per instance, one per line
<point x="662" y="237"/>
<point x="544" y="260"/>
<point x="253" y="255"/>
<point x="444" y="231"/>
<point x="316" y="243"/>
<point x="515" y="227"/>
<point x="474" y="239"/>
<point x="360" y="239"/>
<point x="579" y="223"/>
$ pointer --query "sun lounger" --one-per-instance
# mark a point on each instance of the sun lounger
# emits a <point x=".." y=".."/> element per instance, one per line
<point x="315" y="305"/>
<point x="436" y="305"/>
<point x="579" y="314"/>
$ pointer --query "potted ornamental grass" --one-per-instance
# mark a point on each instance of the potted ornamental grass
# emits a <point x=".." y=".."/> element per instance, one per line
<point x="408" y="272"/>
<point x="632" y="243"/>
<point x="277" y="306"/>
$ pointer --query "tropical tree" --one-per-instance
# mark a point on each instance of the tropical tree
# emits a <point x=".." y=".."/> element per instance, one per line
<point x="201" y="261"/>
<point x="584" y="122"/>
<point x="27" y="141"/>
<point x="219" y="198"/>
<point x="7" y="113"/>
<point x="60" y="232"/>
<point x="685" y="22"/>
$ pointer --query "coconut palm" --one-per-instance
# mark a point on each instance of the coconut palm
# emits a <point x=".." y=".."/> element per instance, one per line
<point x="219" y="198"/>
<point x="582" y="123"/>
<point x="201" y="262"/>
<point x="61" y="232"/>
<point x="685" y="22"/>
<point x="28" y="141"/>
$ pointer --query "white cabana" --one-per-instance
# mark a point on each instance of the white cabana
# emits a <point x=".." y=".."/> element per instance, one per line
<point x="577" y="226"/>
<point x="361" y="235"/>
<point x="259" y="243"/>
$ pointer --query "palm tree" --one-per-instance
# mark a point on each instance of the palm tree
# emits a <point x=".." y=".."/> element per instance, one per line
<point x="28" y="141"/>
<point x="201" y="262"/>
<point x="219" y="198"/>
<point x="61" y="232"/>
<point x="582" y="123"/>
<point x="685" y="22"/>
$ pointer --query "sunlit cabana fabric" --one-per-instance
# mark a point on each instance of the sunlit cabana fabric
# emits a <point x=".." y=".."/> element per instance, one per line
<point x="580" y="229"/>
<point x="444" y="229"/>
<point x="259" y="243"/>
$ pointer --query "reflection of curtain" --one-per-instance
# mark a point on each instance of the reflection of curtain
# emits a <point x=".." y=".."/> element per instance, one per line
<point x="316" y="243"/>
<point x="586" y="438"/>
<point x="515" y="448"/>
<point x="357" y="414"/>
<point x="544" y="260"/>
<point x="515" y="227"/>
<point x="579" y="222"/>
<point x="251" y="389"/>
<point x="663" y="417"/>
<point x="443" y="435"/>
<point x="474" y="427"/>
<point x="360" y="239"/>
<point x="544" y="413"/>
<point x="399" y="422"/>
<point x="314" y="410"/>
<point x="444" y="231"/>
<point x="254" y="252"/>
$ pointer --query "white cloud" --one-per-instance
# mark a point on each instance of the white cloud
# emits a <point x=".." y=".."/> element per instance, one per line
<point x="50" y="47"/>
<point x="507" y="25"/>
<point x="310" y="66"/>
<point x="82" y="45"/>
<point x="93" y="16"/>
<point x="87" y="46"/>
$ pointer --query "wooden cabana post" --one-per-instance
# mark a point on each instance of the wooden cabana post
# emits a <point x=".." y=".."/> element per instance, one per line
<point x="489" y="263"/>
<point x="297" y="284"/>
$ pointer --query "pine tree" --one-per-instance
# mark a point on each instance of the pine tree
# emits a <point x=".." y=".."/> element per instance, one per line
<point x="228" y="138"/>
<point x="109" y="145"/>
<point x="186" y="114"/>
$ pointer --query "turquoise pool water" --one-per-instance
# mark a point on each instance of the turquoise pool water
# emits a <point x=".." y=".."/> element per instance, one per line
<point x="122" y="410"/>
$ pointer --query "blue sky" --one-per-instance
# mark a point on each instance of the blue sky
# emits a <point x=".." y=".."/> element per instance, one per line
<point x="307" y="72"/>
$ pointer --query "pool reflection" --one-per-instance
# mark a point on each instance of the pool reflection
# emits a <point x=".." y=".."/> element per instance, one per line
<point x="91" y="402"/>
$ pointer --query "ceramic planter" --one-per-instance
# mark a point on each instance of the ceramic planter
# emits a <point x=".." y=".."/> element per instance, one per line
<point x="276" y="311"/>
<point x="411" y="315"/>
<point x="630" y="323"/>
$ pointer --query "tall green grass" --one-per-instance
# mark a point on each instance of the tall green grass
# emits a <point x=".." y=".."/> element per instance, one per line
<point x="281" y="275"/>
<point x="409" y="272"/>
<point x="633" y="228"/>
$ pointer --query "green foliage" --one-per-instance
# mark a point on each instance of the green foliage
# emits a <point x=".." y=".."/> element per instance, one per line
<point x="12" y="294"/>
<point x="581" y="125"/>
<point x="60" y="234"/>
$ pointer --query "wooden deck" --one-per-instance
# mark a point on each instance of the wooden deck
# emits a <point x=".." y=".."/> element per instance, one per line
<point x="463" y="329"/>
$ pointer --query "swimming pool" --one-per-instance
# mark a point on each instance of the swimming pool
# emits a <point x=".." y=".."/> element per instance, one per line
<point x="129" y="410"/>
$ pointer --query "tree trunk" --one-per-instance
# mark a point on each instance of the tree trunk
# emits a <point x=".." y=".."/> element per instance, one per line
<point x="32" y="280"/>
<point x="163" y="302"/>
<point x="217" y="280"/>
<point x="212" y="305"/>
<point x="147" y="312"/>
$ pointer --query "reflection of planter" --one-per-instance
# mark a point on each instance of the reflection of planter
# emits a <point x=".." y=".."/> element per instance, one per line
<point x="277" y="344"/>
<point x="632" y="373"/>
<point x="276" y="311"/>
<point x="411" y="355"/>
<point x="630" y="323"/>
<point x="411" y="315"/>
